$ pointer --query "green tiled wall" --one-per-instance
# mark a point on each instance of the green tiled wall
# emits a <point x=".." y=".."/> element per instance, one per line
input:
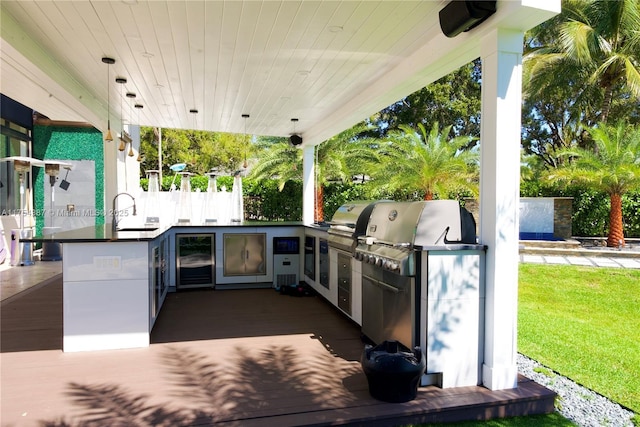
<point x="67" y="143"/>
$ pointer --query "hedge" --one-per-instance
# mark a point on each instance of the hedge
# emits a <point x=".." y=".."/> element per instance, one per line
<point x="590" y="208"/>
<point x="263" y="201"/>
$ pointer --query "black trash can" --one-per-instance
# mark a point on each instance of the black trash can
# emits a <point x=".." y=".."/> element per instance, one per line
<point x="393" y="371"/>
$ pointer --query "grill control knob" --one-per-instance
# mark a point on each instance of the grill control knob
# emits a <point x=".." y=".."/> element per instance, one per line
<point x="379" y="262"/>
<point x="393" y="266"/>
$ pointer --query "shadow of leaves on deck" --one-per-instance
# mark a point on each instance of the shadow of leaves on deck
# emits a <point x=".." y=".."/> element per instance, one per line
<point x="247" y="384"/>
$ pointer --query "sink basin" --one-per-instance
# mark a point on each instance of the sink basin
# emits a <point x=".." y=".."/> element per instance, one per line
<point x="137" y="229"/>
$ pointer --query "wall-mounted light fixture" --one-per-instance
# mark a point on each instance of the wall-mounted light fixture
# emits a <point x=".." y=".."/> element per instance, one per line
<point x="109" y="61"/>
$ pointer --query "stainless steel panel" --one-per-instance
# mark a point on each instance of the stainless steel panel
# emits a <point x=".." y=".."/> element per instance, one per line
<point x="310" y="257"/>
<point x="388" y="306"/>
<point x="342" y="242"/>
<point x="439" y="220"/>
<point x="244" y="254"/>
<point x="323" y="261"/>
<point x="348" y="213"/>
<point x="344" y="282"/>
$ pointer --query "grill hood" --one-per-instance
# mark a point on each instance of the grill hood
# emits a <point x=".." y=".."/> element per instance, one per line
<point x="349" y="222"/>
<point x="397" y="230"/>
<point x="423" y="223"/>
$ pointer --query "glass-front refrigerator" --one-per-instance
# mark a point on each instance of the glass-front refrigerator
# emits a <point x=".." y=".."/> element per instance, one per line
<point x="195" y="261"/>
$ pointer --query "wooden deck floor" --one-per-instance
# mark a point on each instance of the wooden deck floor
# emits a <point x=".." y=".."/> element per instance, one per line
<point x="226" y="358"/>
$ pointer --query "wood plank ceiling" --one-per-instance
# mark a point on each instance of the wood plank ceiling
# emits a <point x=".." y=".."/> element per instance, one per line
<point x="328" y="63"/>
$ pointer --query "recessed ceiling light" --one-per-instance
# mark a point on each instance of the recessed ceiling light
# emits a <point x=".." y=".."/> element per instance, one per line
<point x="146" y="54"/>
<point x="131" y="95"/>
<point x="303" y="72"/>
<point x="335" y="28"/>
<point x="139" y="106"/>
<point x="193" y="111"/>
<point x="159" y="86"/>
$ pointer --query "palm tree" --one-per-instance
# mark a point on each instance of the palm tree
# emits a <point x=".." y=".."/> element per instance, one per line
<point x="428" y="162"/>
<point x="591" y="41"/>
<point x="613" y="167"/>
<point x="280" y="161"/>
<point x="340" y="158"/>
<point x="337" y="159"/>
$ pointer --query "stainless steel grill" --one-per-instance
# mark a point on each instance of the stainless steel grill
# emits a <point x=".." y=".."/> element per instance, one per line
<point x="349" y="222"/>
<point x="395" y="231"/>
<point x="395" y="234"/>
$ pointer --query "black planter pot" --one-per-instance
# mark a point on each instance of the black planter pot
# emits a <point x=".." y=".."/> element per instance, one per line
<point x="393" y="371"/>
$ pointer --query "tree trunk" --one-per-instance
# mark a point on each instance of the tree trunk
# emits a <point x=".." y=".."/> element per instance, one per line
<point x="319" y="209"/>
<point x="428" y="195"/>
<point x="606" y="103"/>
<point x="616" y="231"/>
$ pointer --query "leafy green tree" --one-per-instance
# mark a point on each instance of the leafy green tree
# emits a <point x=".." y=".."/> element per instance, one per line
<point x="613" y="167"/>
<point x="340" y="158"/>
<point x="580" y="68"/>
<point x="280" y="161"/>
<point x="429" y="162"/>
<point x="200" y="150"/>
<point x="454" y="98"/>
<point x="337" y="159"/>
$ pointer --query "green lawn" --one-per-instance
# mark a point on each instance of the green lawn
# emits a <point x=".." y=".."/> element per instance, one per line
<point x="584" y="323"/>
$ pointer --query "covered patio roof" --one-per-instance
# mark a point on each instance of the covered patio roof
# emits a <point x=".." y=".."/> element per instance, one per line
<point x="329" y="64"/>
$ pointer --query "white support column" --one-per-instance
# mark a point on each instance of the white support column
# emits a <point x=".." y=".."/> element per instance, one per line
<point x="501" y="53"/>
<point x="308" y="184"/>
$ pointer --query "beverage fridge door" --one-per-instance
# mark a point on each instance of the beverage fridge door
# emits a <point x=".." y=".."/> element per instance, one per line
<point x="195" y="260"/>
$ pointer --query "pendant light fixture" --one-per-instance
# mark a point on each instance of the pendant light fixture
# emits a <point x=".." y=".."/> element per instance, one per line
<point x="109" y="61"/>
<point x="121" y="81"/>
<point x="131" y="95"/>
<point x="295" y="139"/>
<point x="138" y="108"/>
<point x="194" y="111"/>
<point x="245" y="164"/>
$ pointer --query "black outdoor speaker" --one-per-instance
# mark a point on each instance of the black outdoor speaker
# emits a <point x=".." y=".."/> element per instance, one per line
<point x="295" y="139"/>
<point x="463" y="15"/>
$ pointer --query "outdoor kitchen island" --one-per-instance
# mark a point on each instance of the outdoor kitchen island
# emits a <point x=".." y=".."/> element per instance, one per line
<point x="114" y="283"/>
<point x="425" y="289"/>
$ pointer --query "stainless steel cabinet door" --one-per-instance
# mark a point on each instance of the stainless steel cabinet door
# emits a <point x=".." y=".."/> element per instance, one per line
<point x="245" y="254"/>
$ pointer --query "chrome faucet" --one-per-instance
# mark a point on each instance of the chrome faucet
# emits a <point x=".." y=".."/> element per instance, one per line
<point x="114" y="223"/>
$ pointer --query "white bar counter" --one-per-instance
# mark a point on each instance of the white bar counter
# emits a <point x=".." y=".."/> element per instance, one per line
<point x="108" y="283"/>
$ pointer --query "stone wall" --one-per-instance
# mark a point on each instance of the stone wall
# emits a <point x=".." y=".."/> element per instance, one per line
<point x="562" y="213"/>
